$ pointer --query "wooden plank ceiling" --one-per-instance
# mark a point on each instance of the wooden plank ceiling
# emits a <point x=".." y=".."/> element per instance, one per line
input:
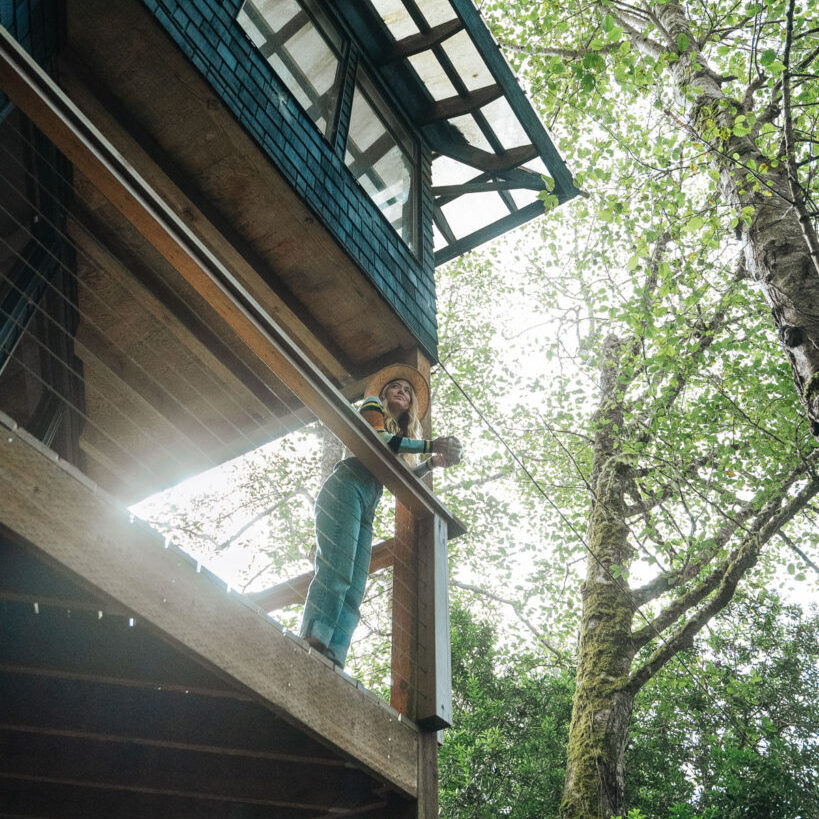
<point x="169" y="389"/>
<point x="101" y="717"/>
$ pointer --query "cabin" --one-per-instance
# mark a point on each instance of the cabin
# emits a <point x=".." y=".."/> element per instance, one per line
<point x="217" y="219"/>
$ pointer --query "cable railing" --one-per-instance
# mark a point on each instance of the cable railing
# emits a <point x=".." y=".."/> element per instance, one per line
<point x="128" y="348"/>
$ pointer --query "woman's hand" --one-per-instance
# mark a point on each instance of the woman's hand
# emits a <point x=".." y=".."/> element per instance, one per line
<point x="448" y="451"/>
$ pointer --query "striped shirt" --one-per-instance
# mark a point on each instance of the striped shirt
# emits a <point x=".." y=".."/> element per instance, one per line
<point x="373" y="413"/>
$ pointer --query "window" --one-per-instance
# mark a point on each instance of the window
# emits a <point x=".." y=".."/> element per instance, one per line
<point x="382" y="157"/>
<point x="306" y="57"/>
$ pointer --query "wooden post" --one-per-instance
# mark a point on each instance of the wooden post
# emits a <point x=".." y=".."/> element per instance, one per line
<point x="433" y="676"/>
<point x="421" y="666"/>
<point x="421" y="671"/>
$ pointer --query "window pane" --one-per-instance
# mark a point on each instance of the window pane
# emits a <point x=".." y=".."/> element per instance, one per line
<point x="396" y="17"/>
<point x="305" y="58"/>
<point x="381" y="156"/>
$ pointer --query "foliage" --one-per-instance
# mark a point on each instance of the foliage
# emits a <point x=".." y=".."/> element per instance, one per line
<point x="744" y="741"/>
<point x="741" y="741"/>
<point x="506" y="754"/>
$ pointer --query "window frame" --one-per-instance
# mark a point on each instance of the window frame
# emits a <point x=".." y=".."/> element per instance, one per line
<point x="354" y="71"/>
<point x="407" y="142"/>
<point x="329" y="33"/>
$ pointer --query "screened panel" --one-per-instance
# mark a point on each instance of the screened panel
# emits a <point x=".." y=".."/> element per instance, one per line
<point x="304" y="56"/>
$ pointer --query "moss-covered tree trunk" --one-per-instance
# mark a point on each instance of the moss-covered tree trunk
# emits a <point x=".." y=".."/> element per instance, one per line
<point x="603" y="700"/>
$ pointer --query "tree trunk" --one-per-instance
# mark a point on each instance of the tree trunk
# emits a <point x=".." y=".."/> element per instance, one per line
<point x="601" y="713"/>
<point x="776" y="252"/>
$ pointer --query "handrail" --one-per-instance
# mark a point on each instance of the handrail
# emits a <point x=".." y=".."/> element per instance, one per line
<point x="52" y="112"/>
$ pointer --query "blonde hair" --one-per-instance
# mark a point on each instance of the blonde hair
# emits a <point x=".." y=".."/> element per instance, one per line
<point x="394" y="426"/>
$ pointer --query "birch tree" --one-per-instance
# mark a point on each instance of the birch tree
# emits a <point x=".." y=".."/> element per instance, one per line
<point x="739" y="81"/>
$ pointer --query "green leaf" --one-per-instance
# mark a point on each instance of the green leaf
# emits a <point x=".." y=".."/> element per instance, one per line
<point x="767" y="56"/>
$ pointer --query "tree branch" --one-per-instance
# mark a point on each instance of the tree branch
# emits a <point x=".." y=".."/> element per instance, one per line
<point x="266" y="512"/>
<point x="705" y="335"/>
<point x="724" y="580"/>
<point x="791" y="545"/>
<point x="644" y="43"/>
<point x="517" y="608"/>
<point x="667" y="581"/>
<point x="565" y="53"/>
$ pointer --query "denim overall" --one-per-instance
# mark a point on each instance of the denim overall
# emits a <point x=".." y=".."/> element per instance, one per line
<point x="345" y="508"/>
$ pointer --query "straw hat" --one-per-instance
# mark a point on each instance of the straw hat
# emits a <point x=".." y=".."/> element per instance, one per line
<point x="404" y="371"/>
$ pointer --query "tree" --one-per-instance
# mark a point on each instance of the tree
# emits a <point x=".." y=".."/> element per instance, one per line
<point x="696" y="192"/>
<point x="739" y="81"/>
<point x="753" y="749"/>
<point x="505" y="755"/>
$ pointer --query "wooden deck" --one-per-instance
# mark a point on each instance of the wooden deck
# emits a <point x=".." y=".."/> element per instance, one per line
<point x="137" y="684"/>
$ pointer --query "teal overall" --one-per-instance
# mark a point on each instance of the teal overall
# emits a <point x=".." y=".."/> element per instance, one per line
<point x="345" y="509"/>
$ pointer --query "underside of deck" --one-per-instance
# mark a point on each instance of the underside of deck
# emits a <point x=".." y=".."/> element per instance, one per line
<point x="135" y="684"/>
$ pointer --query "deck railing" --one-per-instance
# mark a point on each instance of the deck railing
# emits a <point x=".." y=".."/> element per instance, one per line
<point x="202" y="308"/>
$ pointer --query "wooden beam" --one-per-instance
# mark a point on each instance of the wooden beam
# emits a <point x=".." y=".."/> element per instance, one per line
<point x="55" y="508"/>
<point x="451" y="191"/>
<point x="404" y="605"/>
<point x="35" y="672"/>
<point x="158" y="717"/>
<point x="64" y="603"/>
<point x="151" y="295"/>
<point x="26" y="798"/>
<point x="290" y="592"/>
<point x="484" y="160"/>
<point x="151" y="171"/>
<point x="499" y="67"/>
<point x="173" y="772"/>
<point x="68" y="128"/>
<point x="421" y="671"/>
<point x="466" y="243"/>
<point x="433" y="705"/>
<point x="461" y="104"/>
<point x="417" y="43"/>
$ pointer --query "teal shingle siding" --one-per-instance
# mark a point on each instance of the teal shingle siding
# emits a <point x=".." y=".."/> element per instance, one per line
<point x="207" y="31"/>
<point x="35" y="24"/>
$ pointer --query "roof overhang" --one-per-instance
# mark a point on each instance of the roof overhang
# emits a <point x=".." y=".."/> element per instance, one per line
<point x="492" y="155"/>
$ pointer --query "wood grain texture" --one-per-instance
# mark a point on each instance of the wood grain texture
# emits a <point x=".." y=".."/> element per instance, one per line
<point x="98" y="160"/>
<point x="54" y="508"/>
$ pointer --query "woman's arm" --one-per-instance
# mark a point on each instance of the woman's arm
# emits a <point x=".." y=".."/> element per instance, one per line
<point x="447" y="450"/>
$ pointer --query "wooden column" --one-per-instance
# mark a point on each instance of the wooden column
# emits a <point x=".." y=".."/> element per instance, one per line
<point x="421" y="669"/>
<point x="421" y="665"/>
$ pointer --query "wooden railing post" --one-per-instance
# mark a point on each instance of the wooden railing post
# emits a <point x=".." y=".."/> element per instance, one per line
<point x="421" y="669"/>
<point x="421" y="666"/>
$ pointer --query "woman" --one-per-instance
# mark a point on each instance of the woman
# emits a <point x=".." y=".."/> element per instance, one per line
<point x="397" y="398"/>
